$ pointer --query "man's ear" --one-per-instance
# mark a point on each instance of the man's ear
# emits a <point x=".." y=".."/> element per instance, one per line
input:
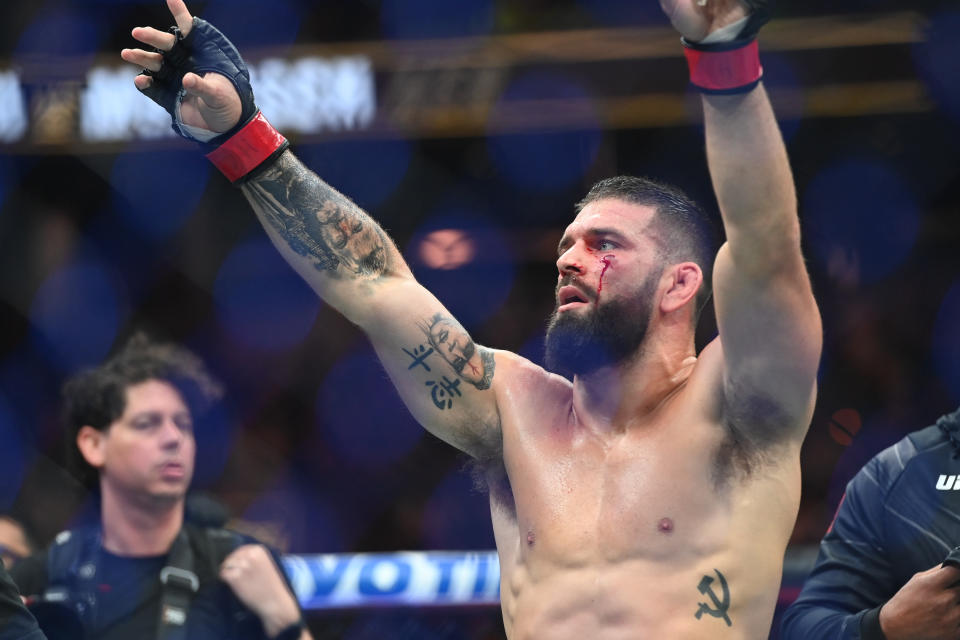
<point x="684" y="280"/>
<point x="90" y="442"/>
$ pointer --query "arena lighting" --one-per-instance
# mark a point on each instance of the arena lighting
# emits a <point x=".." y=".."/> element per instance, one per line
<point x="305" y="95"/>
<point x="13" y="116"/>
<point x="447" y="249"/>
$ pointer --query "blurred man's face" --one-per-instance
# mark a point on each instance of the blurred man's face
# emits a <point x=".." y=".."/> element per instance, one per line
<point x="148" y="452"/>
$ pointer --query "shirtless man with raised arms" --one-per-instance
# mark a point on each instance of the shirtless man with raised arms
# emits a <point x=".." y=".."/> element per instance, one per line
<point x="652" y="496"/>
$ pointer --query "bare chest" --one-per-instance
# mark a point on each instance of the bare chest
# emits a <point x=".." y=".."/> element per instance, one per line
<point x="580" y="499"/>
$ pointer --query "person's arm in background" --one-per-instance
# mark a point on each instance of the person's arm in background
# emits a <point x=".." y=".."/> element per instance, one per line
<point x="852" y="593"/>
<point x="257" y="580"/>
<point x="16" y="622"/>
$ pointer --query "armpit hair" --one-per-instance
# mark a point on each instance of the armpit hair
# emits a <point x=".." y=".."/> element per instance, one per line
<point x="489" y="475"/>
<point x="755" y="428"/>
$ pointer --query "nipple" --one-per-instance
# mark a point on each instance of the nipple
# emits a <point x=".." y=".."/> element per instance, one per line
<point x="665" y="526"/>
<point x="531" y="538"/>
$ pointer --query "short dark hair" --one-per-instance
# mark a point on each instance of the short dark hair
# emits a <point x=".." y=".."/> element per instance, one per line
<point x="685" y="231"/>
<point x="97" y="397"/>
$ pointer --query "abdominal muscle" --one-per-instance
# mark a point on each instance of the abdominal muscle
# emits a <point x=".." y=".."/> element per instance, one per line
<point x="631" y="600"/>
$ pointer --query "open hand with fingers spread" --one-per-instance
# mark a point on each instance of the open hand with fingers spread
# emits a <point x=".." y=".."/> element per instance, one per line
<point x="211" y="101"/>
<point x="199" y="77"/>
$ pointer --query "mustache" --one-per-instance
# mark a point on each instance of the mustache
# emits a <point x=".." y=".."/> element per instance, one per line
<point x="572" y="280"/>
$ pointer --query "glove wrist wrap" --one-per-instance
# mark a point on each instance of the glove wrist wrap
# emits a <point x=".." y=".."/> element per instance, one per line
<point x="725" y="68"/>
<point x="252" y="145"/>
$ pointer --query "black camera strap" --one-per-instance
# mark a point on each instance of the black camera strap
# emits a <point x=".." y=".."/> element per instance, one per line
<point x="178" y="584"/>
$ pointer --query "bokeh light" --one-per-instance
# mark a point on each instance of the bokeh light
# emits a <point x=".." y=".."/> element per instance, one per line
<point x="254" y="23"/>
<point x="214" y="436"/>
<point x="76" y="313"/>
<point x="946" y="341"/>
<point x="366" y="171"/>
<point x="533" y="349"/>
<point x="310" y="525"/>
<point x="472" y="290"/>
<point x="13" y="456"/>
<point x="938" y="60"/>
<point x="457" y="515"/>
<point x="619" y="13"/>
<point x="157" y="192"/>
<point x="260" y="300"/>
<point x="547" y="160"/>
<point x="781" y="80"/>
<point x="877" y="433"/>
<point x="447" y="249"/>
<point x="61" y="32"/>
<point x="363" y="418"/>
<point x="402" y="19"/>
<point x="860" y="212"/>
<point x="7" y="178"/>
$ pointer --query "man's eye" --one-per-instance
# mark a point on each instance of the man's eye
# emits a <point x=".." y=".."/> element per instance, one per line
<point x="606" y="245"/>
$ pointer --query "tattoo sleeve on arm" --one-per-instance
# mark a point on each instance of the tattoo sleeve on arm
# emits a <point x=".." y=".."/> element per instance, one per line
<point x="470" y="362"/>
<point x="317" y="222"/>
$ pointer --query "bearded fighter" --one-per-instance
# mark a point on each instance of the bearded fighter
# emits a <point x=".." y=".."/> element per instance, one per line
<point x="638" y="489"/>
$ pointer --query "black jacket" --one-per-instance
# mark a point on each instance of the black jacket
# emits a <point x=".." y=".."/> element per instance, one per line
<point x="900" y="515"/>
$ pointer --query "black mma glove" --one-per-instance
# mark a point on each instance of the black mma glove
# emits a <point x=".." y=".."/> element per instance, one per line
<point x="252" y="143"/>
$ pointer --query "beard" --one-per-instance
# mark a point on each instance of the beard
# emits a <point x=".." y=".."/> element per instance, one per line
<point x="607" y="334"/>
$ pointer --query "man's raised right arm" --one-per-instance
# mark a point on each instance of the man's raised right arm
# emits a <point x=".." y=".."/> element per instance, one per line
<point x="446" y="380"/>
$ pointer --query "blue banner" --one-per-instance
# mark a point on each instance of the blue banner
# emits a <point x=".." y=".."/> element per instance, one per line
<point x="403" y="579"/>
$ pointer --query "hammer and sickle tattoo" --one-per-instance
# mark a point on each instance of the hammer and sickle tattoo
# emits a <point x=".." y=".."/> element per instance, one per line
<point x="720" y="606"/>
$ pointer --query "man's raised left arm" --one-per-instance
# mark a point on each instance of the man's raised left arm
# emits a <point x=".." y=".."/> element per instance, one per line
<point x="769" y="325"/>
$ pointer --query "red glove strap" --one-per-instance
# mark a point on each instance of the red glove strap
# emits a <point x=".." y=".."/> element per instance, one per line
<point x="245" y="150"/>
<point x="733" y="71"/>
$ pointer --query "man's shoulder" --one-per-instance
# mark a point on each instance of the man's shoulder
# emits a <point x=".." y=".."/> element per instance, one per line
<point x="215" y="543"/>
<point x="920" y="453"/>
<point x="515" y="371"/>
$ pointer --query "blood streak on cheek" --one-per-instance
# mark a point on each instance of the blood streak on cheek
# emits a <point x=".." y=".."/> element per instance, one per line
<point x="606" y="260"/>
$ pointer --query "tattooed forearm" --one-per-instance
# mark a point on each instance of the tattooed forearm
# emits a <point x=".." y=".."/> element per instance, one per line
<point x="317" y="222"/>
<point x="472" y="363"/>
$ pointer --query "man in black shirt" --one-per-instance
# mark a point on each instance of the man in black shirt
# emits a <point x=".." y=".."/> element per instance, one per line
<point x="883" y="572"/>
<point x="141" y="572"/>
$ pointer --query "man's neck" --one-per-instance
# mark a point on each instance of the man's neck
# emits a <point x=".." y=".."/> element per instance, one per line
<point x="139" y="528"/>
<point x="611" y="399"/>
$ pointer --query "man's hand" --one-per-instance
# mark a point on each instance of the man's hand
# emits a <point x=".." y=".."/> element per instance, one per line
<point x="926" y="608"/>
<point x="696" y="19"/>
<point x="211" y="102"/>
<point x="255" y="579"/>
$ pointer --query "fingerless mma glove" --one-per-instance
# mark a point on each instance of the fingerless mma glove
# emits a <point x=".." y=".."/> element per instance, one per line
<point x="723" y="68"/>
<point x="250" y="145"/>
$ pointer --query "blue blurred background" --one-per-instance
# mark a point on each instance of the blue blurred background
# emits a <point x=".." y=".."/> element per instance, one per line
<point x="468" y="129"/>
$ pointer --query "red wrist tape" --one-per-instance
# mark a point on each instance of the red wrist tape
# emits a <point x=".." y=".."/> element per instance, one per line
<point x="719" y="69"/>
<point x="245" y="150"/>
